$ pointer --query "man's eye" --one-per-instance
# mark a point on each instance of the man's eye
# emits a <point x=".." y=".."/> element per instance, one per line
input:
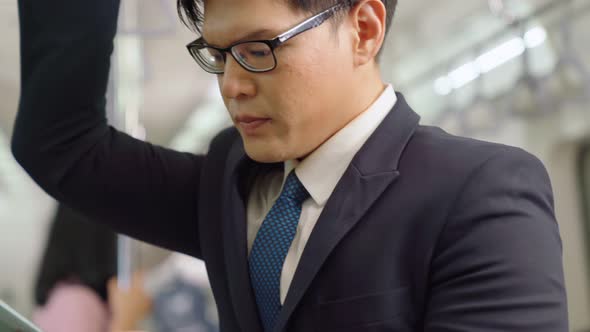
<point x="260" y="53"/>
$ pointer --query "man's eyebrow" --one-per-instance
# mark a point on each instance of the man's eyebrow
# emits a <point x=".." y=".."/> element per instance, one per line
<point x="256" y="34"/>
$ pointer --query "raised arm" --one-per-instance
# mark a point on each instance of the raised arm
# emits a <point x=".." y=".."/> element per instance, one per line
<point x="499" y="265"/>
<point x="61" y="136"/>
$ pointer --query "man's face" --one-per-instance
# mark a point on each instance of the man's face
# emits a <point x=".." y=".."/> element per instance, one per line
<point x="288" y="112"/>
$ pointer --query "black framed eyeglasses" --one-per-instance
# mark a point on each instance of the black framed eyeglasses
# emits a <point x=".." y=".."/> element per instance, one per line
<point x="256" y="56"/>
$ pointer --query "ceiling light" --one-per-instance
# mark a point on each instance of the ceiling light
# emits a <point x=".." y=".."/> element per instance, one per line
<point x="489" y="61"/>
<point x="500" y="55"/>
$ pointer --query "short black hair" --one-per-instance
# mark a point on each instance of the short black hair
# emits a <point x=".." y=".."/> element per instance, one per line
<point x="77" y="250"/>
<point x="191" y="11"/>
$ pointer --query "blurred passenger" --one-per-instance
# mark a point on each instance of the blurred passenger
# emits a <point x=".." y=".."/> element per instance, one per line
<point x="176" y="294"/>
<point x="182" y="295"/>
<point x="71" y="286"/>
<point x="129" y="306"/>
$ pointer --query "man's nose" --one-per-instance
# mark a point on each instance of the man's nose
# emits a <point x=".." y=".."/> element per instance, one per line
<point x="236" y="82"/>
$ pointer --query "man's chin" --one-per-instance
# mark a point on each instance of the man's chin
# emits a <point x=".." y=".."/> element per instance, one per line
<point x="264" y="153"/>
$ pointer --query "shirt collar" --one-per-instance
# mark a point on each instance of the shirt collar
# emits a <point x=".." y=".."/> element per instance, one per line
<point x="322" y="169"/>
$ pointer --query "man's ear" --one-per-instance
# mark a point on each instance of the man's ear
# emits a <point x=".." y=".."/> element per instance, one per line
<point x="368" y="21"/>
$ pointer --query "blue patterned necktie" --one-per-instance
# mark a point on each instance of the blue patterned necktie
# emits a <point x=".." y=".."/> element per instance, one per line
<point x="271" y="246"/>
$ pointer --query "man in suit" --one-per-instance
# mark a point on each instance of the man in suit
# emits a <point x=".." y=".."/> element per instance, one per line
<point x="327" y="207"/>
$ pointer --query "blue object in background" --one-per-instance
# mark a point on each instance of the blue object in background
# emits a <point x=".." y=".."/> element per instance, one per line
<point x="180" y="306"/>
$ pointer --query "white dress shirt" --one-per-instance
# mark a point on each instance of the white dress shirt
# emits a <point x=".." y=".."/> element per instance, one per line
<point x="319" y="173"/>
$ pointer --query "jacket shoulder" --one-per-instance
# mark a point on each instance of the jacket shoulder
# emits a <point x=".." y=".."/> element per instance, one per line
<point x="434" y="146"/>
<point x="443" y="165"/>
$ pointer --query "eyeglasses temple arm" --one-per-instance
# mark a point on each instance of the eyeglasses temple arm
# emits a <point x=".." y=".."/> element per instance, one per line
<point x="310" y="23"/>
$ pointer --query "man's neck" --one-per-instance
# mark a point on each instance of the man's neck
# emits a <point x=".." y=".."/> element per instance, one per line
<point x="367" y="89"/>
<point x="362" y="96"/>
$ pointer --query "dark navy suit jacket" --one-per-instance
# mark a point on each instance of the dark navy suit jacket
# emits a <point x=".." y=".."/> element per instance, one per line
<point x="425" y="231"/>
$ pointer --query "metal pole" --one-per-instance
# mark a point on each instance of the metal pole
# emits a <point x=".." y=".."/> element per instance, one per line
<point x="126" y="89"/>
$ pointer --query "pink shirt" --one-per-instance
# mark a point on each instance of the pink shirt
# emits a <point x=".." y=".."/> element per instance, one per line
<point x="72" y="308"/>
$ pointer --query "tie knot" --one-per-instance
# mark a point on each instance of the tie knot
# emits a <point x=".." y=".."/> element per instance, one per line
<point x="294" y="189"/>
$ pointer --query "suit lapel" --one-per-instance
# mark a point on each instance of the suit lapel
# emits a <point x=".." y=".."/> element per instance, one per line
<point x="372" y="170"/>
<point x="234" y="237"/>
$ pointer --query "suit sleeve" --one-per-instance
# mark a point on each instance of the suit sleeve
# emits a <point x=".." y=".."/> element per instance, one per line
<point x="62" y="139"/>
<point x="498" y="261"/>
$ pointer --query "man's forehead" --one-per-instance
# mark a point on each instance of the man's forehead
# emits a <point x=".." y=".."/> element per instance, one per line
<point x="227" y="21"/>
<point x="257" y="8"/>
<point x="247" y="2"/>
